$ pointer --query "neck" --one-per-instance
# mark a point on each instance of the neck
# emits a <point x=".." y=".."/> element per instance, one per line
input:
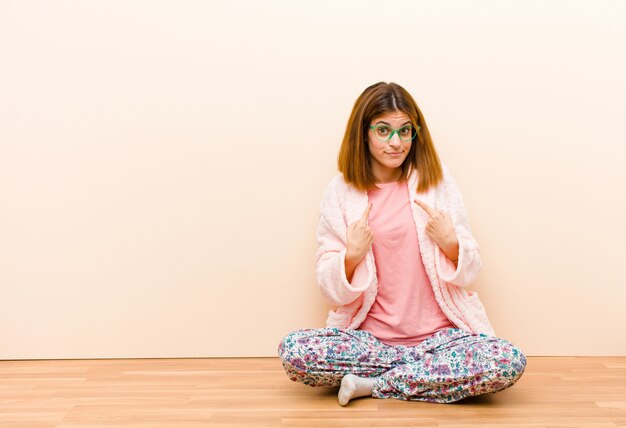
<point x="388" y="176"/>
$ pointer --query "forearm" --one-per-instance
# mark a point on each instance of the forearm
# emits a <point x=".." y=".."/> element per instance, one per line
<point x="350" y="268"/>
<point x="451" y="250"/>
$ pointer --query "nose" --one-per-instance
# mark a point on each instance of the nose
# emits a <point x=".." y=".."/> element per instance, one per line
<point x="394" y="141"/>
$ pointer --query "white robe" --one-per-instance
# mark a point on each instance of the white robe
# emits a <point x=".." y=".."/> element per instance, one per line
<point x="342" y="205"/>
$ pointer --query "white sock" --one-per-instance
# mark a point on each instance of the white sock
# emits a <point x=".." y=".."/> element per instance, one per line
<point x="353" y="386"/>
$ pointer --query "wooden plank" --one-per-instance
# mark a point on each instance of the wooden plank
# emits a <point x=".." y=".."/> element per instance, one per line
<point x="242" y="392"/>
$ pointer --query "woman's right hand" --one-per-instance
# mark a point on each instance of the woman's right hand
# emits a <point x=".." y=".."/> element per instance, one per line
<point x="359" y="238"/>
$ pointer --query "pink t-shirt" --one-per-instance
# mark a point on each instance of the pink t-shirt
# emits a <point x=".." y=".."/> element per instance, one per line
<point x="405" y="311"/>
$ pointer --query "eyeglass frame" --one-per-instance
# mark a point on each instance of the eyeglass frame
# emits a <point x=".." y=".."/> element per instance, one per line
<point x="394" y="131"/>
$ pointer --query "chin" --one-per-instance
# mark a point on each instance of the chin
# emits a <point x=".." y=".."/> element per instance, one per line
<point x="396" y="164"/>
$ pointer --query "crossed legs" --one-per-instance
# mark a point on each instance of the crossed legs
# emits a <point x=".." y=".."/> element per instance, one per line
<point x="449" y="366"/>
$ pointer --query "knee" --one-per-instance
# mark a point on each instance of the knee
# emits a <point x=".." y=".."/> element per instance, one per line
<point x="515" y="358"/>
<point x="293" y="348"/>
<point x="510" y="361"/>
<point x="287" y="345"/>
<point x="518" y="361"/>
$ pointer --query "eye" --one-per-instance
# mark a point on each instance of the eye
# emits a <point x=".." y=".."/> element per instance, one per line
<point x="406" y="131"/>
<point x="383" y="130"/>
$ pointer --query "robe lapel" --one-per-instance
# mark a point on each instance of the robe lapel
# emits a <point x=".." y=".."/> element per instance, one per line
<point x="419" y="215"/>
<point x="356" y="203"/>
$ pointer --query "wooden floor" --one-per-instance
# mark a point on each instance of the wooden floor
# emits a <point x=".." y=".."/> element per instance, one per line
<point x="243" y="392"/>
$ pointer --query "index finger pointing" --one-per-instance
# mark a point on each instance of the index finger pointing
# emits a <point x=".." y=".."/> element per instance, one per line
<point x="425" y="207"/>
<point x="366" y="213"/>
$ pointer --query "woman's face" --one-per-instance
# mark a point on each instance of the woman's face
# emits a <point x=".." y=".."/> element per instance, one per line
<point x="387" y="157"/>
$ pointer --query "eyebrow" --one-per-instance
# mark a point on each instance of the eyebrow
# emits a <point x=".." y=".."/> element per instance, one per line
<point x="383" y="122"/>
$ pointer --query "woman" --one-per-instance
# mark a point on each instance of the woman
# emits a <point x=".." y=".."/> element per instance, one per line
<point x="395" y="257"/>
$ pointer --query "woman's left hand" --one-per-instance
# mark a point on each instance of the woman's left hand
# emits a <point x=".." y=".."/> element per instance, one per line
<point x="441" y="230"/>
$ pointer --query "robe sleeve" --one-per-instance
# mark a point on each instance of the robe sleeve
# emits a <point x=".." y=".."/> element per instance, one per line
<point x="469" y="262"/>
<point x="330" y="256"/>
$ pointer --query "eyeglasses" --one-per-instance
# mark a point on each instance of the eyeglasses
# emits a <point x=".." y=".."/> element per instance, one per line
<point x="384" y="133"/>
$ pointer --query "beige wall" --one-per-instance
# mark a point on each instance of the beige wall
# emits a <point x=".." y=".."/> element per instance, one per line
<point x="162" y="164"/>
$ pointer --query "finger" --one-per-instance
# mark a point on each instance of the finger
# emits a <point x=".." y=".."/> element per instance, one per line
<point x="366" y="214"/>
<point x="425" y="207"/>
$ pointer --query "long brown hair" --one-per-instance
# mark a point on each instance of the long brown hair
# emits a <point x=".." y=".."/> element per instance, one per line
<point x="354" y="156"/>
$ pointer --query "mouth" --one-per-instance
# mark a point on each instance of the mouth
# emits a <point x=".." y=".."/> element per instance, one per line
<point x="395" y="154"/>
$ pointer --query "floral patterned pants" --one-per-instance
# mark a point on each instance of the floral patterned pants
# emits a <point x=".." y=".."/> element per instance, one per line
<point x="450" y="365"/>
